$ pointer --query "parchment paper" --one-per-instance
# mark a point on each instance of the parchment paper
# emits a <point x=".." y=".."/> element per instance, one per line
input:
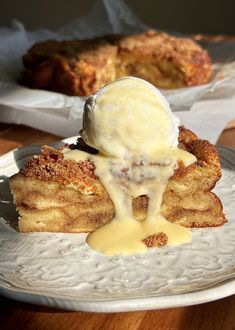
<point x="60" y="114"/>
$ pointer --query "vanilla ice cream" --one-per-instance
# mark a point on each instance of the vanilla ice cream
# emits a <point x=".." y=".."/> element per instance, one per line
<point x="129" y="117"/>
<point x="131" y="125"/>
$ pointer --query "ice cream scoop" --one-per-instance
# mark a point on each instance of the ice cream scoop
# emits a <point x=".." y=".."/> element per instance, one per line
<point x="131" y="124"/>
<point x="129" y="117"/>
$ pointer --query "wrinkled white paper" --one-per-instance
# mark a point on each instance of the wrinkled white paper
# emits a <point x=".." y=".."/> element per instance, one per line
<point x="62" y="115"/>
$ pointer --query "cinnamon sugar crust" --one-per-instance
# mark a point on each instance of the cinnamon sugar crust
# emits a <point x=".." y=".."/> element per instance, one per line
<point x="156" y="240"/>
<point x="51" y="166"/>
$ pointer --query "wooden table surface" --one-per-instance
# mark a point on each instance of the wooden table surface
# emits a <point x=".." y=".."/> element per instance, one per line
<point x="18" y="315"/>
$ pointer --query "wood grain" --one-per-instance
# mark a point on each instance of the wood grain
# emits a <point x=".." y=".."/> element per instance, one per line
<point x="18" y="315"/>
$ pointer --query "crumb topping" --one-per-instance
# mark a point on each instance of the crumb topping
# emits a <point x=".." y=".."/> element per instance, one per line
<point x="51" y="166"/>
<point x="155" y="240"/>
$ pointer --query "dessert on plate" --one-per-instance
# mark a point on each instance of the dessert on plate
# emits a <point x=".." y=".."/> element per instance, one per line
<point x="80" y="67"/>
<point x="137" y="180"/>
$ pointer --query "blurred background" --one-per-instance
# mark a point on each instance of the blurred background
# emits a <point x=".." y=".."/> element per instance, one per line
<point x="199" y="16"/>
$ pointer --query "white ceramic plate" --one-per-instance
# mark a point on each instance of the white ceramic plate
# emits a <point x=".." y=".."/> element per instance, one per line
<point x="60" y="270"/>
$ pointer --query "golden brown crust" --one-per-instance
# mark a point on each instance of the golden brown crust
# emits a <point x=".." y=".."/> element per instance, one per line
<point x="74" y="67"/>
<point x="80" y="67"/>
<point x="179" y="61"/>
<point x="185" y="137"/>
<point x="71" y="193"/>
<point x="51" y="166"/>
<point x="156" y="240"/>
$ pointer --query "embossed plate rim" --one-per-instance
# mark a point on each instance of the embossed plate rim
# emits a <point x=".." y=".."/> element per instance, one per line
<point x="220" y="291"/>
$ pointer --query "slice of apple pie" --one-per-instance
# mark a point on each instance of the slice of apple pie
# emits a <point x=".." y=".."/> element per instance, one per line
<point x="55" y="194"/>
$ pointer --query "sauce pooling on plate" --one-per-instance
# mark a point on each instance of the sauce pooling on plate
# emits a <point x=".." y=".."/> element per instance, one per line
<point x="124" y="181"/>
